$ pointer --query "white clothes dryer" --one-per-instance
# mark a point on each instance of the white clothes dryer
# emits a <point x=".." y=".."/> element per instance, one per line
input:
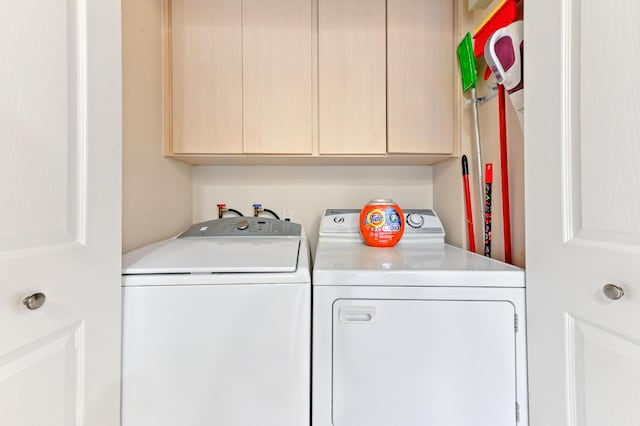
<point x="216" y="327"/>
<point x="422" y="333"/>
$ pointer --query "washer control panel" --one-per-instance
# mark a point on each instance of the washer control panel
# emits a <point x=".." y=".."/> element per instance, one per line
<point x="420" y="224"/>
<point x="244" y="227"/>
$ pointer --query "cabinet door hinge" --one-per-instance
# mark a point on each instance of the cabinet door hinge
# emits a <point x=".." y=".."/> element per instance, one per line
<point x="515" y="322"/>
<point x="517" y="413"/>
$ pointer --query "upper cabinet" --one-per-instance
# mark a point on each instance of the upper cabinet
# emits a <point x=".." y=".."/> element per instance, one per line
<point x="284" y="80"/>
<point x="420" y="76"/>
<point x="352" y="76"/>
<point x="206" y="76"/>
<point x="277" y="76"/>
<point x="241" y="76"/>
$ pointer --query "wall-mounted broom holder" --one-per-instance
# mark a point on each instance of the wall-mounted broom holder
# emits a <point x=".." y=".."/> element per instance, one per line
<point x="493" y="92"/>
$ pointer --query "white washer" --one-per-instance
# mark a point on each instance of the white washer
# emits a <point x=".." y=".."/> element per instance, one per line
<point x="216" y="327"/>
<point x="422" y="333"/>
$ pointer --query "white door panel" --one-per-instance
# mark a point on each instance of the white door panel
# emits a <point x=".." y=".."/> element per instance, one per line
<point x="436" y="362"/>
<point x="605" y="372"/>
<point x="60" y="137"/>
<point x="583" y="211"/>
<point x="357" y="320"/>
<point x="38" y="122"/>
<point x="601" y="146"/>
<point x="58" y="358"/>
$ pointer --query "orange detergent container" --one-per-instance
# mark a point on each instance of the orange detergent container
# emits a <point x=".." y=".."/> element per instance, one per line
<point x="381" y="223"/>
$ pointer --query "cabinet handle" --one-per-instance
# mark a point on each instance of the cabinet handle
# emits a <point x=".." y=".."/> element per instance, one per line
<point x="613" y="291"/>
<point x="35" y="301"/>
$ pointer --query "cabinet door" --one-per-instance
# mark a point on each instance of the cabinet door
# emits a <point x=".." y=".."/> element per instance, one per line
<point x="207" y="76"/>
<point x="277" y="76"/>
<point x="352" y="76"/>
<point x="420" y="76"/>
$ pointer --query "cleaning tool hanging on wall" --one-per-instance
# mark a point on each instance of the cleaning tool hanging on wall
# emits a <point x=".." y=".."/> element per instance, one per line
<point x="503" y="15"/>
<point x="503" y="53"/>
<point x="469" y="76"/>
<point x="488" y="175"/>
<point x="504" y="175"/>
<point x="467" y="203"/>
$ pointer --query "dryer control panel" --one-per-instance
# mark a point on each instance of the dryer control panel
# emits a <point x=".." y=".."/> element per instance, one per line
<point x="420" y="224"/>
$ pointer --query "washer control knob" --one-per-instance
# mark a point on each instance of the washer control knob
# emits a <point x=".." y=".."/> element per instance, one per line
<point x="338" y="219"/>
<point x="415" y="220"/>
<point x="242" y="225"/>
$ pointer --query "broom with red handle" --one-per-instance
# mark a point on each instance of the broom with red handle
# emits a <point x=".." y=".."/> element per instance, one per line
<point x="467" y="201"/>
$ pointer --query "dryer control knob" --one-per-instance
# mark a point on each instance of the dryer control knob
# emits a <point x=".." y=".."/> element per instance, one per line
<point x="415" y="220"/>
<point x="242" y="225"/>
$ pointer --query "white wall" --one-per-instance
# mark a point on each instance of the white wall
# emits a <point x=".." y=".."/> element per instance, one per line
<point x="156" y="191"/>
<point x="307" y="190"/>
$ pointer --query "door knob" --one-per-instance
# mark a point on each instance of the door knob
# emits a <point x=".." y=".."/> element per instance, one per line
<point x="613" y="291"/>
<point x="35" y="301"/>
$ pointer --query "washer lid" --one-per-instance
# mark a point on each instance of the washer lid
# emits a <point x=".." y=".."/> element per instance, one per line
<point x="229" y="245"/>
<point x="213" y="255"/>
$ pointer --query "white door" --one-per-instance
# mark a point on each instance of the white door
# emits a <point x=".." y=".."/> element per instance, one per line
<point x="60" y="208"/>
<point x="582" y="159"/>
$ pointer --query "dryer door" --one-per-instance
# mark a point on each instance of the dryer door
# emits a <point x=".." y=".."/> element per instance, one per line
<point x="431" y="362"/>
